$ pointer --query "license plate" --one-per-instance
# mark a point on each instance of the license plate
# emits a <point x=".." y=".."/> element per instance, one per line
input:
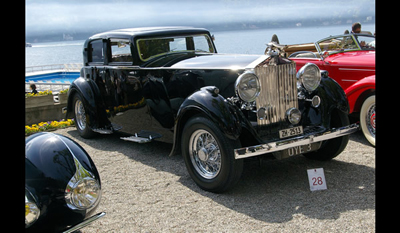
<point x="297" y="150"/>
<point x="302" y="149"/>
<point x="284" y="133"/>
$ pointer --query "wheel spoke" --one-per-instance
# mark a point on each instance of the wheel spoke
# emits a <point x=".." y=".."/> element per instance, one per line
<point x="80" y="115"/>
<point x="205" y="154"/>
<point x="370" y="119"/>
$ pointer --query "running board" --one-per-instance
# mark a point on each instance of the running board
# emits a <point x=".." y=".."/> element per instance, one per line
<point x="137" y="139"/>
<point x="142" y="137"/>
<point x="102" y="131"/>
<point x="108" y="130"/>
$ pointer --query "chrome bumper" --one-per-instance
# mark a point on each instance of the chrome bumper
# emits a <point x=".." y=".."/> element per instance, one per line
<point x="250" y="151"/>
<point x="85" y="222"/>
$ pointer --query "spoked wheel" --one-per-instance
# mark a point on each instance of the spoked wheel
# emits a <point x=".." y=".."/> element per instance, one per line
<point x="209" y="156"/>
<point x="367" y="119"/>
<point x="80" y="115"/>
<point x="205" y="154"/>
<point x="81" y="118"/>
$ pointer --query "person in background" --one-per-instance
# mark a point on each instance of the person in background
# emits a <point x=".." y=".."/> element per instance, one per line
<point x="356" y="28"/>
<point x="33" y="88"/>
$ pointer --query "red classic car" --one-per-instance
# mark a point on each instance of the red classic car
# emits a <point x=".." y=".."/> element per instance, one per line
<point x="350" y="61"/>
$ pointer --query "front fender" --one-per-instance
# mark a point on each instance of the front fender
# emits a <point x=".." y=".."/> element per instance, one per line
<point x="357" y="92"/>
<point x="216" y="108"/>
<point x="50" y="163"/>
<point x="208" y="102"/>
<point x="333" y="97"/>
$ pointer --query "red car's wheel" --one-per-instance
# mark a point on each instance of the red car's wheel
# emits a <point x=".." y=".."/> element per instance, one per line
<point x="367" y="119"/>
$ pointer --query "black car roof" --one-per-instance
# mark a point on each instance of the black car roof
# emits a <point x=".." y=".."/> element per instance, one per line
<point x="148" y="31"/>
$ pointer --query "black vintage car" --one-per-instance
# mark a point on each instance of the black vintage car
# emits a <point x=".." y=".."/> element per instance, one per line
<point x="62" y="185"/>
<point x="170" y="84"/>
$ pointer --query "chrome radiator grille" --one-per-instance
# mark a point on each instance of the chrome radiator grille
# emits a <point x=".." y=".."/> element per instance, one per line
<point x="278" y="91"/>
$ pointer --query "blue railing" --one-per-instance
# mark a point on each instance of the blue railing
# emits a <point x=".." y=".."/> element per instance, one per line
<point x="55" y="77"/>
<point x="64" y="67"/>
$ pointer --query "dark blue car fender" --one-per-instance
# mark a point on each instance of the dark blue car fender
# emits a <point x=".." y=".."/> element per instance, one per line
<point x="51" y="165"/>
<point x="209" y="103"/>
<point x="91" y="97"/>
<point x="333" y="100"/>
<point x="334" y="97"/>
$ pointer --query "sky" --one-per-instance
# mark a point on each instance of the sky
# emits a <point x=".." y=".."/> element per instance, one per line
<point x="72" y="16"/>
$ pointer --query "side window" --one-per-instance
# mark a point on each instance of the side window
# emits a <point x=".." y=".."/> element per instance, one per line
<point x="203" y="43"/>
<point x="96" y="51"/>
<point x="120" y="50"/>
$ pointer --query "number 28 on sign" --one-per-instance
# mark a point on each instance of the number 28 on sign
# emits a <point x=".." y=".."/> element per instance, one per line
<point x="316" y="179"/>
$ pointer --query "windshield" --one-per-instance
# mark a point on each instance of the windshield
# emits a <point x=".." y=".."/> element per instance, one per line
<point x="152" y="47"/>
<point x="348" y="42"/>
<point x="366" y="42"/>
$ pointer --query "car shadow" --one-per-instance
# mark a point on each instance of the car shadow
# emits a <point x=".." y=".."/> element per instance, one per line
<point x="275" y="191"/>
<point x="360" y="138"/>
<point x="278" y="190"/>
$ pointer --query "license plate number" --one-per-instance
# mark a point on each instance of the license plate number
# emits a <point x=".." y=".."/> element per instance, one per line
<point x="284" y="133"/>
<point x="297" y="150"/>
<point x="300" y="149"/>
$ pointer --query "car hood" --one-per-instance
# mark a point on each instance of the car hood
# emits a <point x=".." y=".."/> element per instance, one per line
<point x="353" y="58"/>
<point x="220" y="61"/>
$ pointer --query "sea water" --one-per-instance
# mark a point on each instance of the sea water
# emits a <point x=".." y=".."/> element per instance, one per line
<point x="238" y="41"/>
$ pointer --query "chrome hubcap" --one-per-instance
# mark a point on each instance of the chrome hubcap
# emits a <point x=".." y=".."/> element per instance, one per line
<point x="80" y="115"/>
<point x="371" y="119"/>
<point x="205" y="154"/>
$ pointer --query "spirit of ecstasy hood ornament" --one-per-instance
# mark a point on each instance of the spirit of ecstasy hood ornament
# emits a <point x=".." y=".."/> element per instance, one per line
<point x="274" y="48"/>
<point x="276" y="52"/>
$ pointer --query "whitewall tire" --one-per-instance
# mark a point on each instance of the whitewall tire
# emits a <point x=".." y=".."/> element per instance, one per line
<point x="367" y="119"/>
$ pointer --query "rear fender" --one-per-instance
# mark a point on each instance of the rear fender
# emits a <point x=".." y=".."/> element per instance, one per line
<point x="91" y="98"/>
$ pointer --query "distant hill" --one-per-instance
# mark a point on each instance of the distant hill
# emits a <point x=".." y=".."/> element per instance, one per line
<point x="245" y="25"/>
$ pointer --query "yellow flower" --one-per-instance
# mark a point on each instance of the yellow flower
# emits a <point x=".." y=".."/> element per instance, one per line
<point x="43" y="126"/>
<point x="64" y="91"/>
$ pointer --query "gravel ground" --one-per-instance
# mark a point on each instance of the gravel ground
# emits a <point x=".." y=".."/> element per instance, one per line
<point x="144" y="190"/>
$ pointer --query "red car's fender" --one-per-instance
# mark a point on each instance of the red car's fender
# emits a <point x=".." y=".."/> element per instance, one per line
<point x="357" y="92"/>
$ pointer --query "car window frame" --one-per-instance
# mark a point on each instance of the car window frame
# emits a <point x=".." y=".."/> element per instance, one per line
<point x="90" y="52"/>
<point x="110" y="51"/>
<point x="187" y="39"/>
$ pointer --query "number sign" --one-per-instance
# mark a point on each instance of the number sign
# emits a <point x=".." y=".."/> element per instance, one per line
<point x="316" y="179"/>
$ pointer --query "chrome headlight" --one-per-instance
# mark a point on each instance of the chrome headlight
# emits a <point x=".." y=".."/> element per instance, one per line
<point x="32" y="211"/>
<point x="247" y="86"/>
<point x="309" y="76"/>
<point x="293" y="115"/>
<point x="83" y="191"/>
